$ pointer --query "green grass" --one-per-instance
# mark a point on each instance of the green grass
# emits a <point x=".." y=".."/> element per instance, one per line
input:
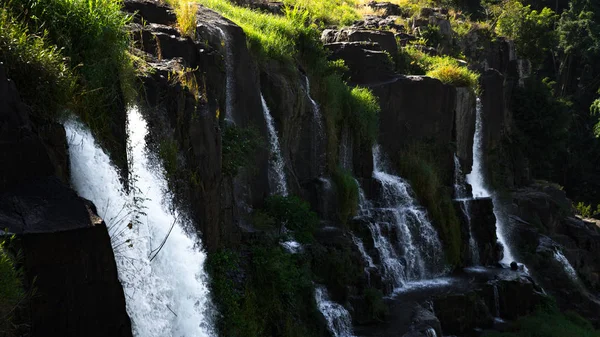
<point x="445" y="68"/>
<point x="550" y="323"/>
<point x="37" y="67"/>
<point x="331" y="12"/>
<point x="93" y="40"/>
<point x="419" y="163"/>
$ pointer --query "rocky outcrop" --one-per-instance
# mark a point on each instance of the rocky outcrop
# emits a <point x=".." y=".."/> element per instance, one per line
<point x="483" y="227"/>
<point x="416" y="109"/>
<point x="384" y="39"/>
<point x="464" y="127"/>
<point x="543" y="226"/>
<point x="366" y="62"/>
<point x="67" y="257"/>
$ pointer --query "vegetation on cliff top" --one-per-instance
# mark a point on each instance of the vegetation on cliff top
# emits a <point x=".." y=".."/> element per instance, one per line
<point x="12" y="292"/>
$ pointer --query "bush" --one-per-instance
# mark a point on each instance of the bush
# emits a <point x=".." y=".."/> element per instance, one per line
<point x="291" y="213"/>
<point x="37" y="68"/>
<point x="239" y="147"/>
<point x="11" y="289"/>
<point x="347" y="193"/>
<point x="455" y="75"/>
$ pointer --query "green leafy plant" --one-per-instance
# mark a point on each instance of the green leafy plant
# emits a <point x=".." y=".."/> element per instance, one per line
<point x="239" y="148"/>
<point x="347" y="192"/>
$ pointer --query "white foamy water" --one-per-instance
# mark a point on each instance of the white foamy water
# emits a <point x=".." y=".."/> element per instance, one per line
<point x="460" y="192"/>
<point x="317" y="133"/>
<point x="160" y="264"/>
<point x="277" y="165"/>
<point x="361" y="248"/>
<point x="477" y="182"/>
<point x="561" y="258"/>
<point x="338" y="318"/>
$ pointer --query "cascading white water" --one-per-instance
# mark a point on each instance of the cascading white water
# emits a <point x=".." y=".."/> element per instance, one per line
<point x="361" y="248"/>
<point x="338" y="318"/>
<point x="496" y="300"/>
<point x="345" y="150"/>
<point x="229" y="76"/>
<point x="460" y="192"/>
<point x="318" y="133"/>
<point x="415" y="251"/>
<point x="430" y="332"/>
<point x="160" y="264"/>
<point x="277" y="166"/>
<point x="422" y="247"/>
<point x="560" y="257"/>
<point x="477" y="182"/>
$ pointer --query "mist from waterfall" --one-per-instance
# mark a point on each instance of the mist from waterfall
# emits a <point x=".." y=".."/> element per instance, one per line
<point x="159" y="257"/>
<point x="276" y="164"/>
<point x="479" y="187"/>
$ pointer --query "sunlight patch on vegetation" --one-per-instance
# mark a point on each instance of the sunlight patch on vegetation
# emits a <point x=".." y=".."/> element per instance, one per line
<point x="444" y="68"/>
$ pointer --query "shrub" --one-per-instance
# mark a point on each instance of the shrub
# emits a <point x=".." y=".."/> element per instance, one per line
<point x="239" y="148"/>
<point x="291" y="213"/>
<point x="185" y="10"/>
<point x="11" y="289"/>
<point x="37" y="68"/>
<point x="347" y="193"/>
<point x="332" y="12"/>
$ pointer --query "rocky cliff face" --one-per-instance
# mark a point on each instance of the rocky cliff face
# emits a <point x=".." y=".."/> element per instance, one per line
<point x="67" y="254"/>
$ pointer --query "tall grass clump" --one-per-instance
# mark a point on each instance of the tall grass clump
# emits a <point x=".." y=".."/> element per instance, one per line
<point x="420" y="164"/>
<point x="331" y="12"/>
<point x="444" y="68"/>
<point x="37" y="68"/>
<point x="92" y="37"/>
<point x="185" y="10"/>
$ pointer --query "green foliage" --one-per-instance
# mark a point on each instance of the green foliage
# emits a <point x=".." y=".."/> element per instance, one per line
<point x="332" y="12"/>
<point x="92" y="37"/>
<point x="347" y="192"/>
<point x="532" y="31"/>
<point x="549" y="322"/>
<point x="291" y="213"/>
<point x="374" y="305"/>
<point x="543" y="123"/>
<point x="37" y="68"/>
<point x="586" y="211"/>
<point x="595" y="111"/>
<point x="579" y="29"/>
<point x="11" y="289"/>
<point x="364" y="114"/>
<point x="270" y="295"/>
<point x="335" y="267"/>
<point x="445" y="68"/>
<point x="420" y="164"/>
<point x="167" y="151"/>
<point x="239" y="148"/>
<point x="432" y="35"/>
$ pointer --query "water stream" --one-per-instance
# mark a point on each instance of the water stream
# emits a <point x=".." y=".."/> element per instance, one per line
<point x="160" y="261"/>
<point x="560" y="257"/>
<point x="462" y="196"/>
<point x="479" y="187"/>
<point x="277" y="165"/>
<point x="229" y="76"/>
<point x="338" y="318"/>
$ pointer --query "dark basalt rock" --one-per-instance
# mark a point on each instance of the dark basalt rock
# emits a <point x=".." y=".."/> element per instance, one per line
<point x="386" y="8"/>
<point x="385" y="39"/>
<point x="483" y="227"/>
<point x="464" y="127"/>
<point x="461" y="314"/>
<point x="67" y="259"/>
<point x="151" y="11"/>
<point x="365" y="62"/>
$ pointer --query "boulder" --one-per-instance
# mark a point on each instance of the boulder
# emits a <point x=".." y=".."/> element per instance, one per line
<point x="483" y="227"/>
<point x="462" y="314"/>
<point x="385" y="39"/>
<point x="151" y="11"/>
<point x="366" y="65"/>
<point x="386" y="8"/>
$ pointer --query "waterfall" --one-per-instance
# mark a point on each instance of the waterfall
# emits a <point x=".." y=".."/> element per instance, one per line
<point x="560" y="257"/>
<point x="361" y="248"/>
<point x="229" y="76"/>
<point x="461" y="194"/>
<point x="408" y="246"/>
<point x="430" y="332"/>
<point x="277" y="166"/>
<point x="346" y="150"/>
<point x="476" y="180"/>
<point x="338" y="318"/>
<point x="160" y="263"/>
<point x="496" y="300"/>
<point x="318" y="133"/>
